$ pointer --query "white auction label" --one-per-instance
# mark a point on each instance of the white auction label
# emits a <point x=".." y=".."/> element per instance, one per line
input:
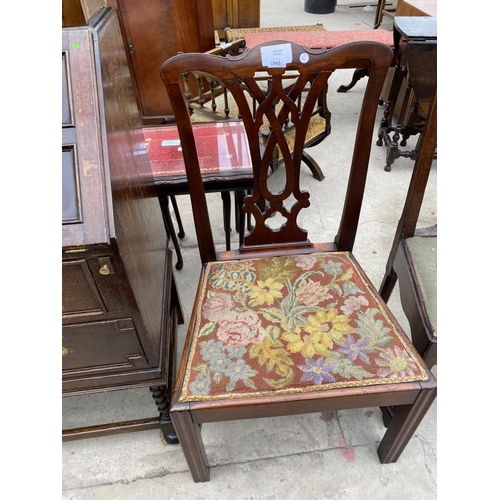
<point x="304" y="57"/>
<point x="276" y="56"/>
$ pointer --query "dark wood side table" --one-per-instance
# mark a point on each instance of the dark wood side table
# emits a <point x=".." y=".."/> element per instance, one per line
<point x="415" y="74"/>
<point x="120" y="306"/>
<point x="225" y="166"/>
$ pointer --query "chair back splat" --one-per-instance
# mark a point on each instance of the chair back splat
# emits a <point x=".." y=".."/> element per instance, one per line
<point x="242" y="74"/>
<point x="282" y="325"/>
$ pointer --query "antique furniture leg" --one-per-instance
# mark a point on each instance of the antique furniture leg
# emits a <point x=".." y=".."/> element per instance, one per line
<point x="239" y="215"/>
<point x="403" y="425"/>
<point x="177" y="213"/>
<point x="189" y="433"/>
<point x="356" y="77"/>
<point x="315" y="169"/>
<point x="162" y="400"/>
<point x="226" y="210"/>
<point x="169" y="228"/>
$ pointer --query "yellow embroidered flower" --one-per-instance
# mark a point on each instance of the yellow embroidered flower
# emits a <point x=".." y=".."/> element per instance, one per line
<point x="328" y="323"/>
<point x="308" y="345"/>
<point x="266" y="291"/>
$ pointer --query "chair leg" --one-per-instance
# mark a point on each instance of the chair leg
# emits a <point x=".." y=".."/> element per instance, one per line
<point x="388" y="284"/>
<point x="189" y="434"/>
<point x="226" y="213"/>
<point x="403" y="425"/>
<point x="356" y="77"/>
<point x="378" y="14"/>
<point x="313" y="166"/>
<point x="170" y="230"/>
<point x="239" y="215"/>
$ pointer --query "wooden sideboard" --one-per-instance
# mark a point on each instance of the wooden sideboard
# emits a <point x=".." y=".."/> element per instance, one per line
<point x="120" y="305"/>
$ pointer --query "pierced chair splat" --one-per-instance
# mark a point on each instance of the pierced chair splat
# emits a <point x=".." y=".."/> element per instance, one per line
<point x="282" y="325"/>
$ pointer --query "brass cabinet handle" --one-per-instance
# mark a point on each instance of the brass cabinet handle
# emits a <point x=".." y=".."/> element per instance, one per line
<point x="104" y="270"/>
<point x="64" y="351"/>
<point x="106" y="266"/>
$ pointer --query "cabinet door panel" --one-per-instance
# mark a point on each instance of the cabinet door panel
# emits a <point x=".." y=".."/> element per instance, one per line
<point x="104" y="345"/>
<point x="155" y="30"/>
<point x="79" y="292"/>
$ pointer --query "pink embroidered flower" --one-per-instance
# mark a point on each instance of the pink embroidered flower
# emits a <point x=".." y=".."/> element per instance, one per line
<point x="395" y="363"/>
<point x="241" y="329"/>
<point x="312" y="293"/>
<point x="305" y="261"/>
<point x="352" y="304"/>
<point x="218" y="306"/>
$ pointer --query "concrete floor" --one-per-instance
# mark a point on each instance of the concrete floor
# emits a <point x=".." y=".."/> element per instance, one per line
<point x="320" y="456"/>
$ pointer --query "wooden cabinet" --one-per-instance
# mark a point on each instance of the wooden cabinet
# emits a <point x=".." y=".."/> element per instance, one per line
<point x="120" y="305"/>
<point x="153" y="31"/>
<point x="235" y="14"/>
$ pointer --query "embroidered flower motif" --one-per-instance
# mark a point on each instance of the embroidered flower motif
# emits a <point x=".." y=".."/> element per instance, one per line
<point x="305" y="261"/>
<point x="312" y="293"/>
<point x="352" y="304"/>
<point x="265" y="292"/>
<point x="235" y="351"/>
<point x="238" y="370"/>
<point x="200" y="385"/>
<point x="308" y="345"/>
<point x="355" y="350"/>
<point x="317" y="371"/>
<point x="241" y="329"/>
<point x="395" y="363"/>
<point x="329" y="322"/>
<point x="333" y="268"/>
<point x="217" y="306"/>
<point x="211" y="349"/>
<point x="350" y="288"/>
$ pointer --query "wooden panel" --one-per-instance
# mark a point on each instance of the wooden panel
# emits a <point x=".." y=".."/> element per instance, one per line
<point x="82" y="136"/>
<point x="132" y="293"/>
<point x="138" y="223"/>
<point x="108" y="345"/>
<point x="79" y="292"/>
<point x="235" y="14"/>
<point x="153" y="31"/>
<point x="416" y="8"/>
<point x="78" y="12"/>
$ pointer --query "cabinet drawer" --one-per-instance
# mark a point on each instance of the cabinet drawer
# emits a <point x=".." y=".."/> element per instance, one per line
<point x="103" y="345"/>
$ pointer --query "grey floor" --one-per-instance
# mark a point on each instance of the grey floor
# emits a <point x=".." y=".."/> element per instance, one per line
<point x="319" y="456"/>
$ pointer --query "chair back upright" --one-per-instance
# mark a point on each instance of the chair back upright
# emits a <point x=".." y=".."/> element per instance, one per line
<point x="281" y="104"/>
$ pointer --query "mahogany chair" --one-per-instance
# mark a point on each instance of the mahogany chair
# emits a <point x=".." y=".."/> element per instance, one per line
<point x="284" y="326"/>
<point x="412" y="260"/>
<point x="214" y="102"/>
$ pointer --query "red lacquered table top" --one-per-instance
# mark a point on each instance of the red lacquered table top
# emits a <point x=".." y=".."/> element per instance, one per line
<point x="222" y="150"/>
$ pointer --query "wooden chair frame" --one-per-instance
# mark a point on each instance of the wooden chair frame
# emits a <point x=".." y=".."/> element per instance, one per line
<point x="410" y="398"/>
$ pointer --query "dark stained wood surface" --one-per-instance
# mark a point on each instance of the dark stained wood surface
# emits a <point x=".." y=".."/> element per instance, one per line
<point x="117" y="306"/>
<point x="235" y="14"/>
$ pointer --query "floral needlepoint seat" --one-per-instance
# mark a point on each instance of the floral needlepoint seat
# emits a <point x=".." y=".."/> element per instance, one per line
<point x="283" y="325"/>
<point x="286" y="324"/>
